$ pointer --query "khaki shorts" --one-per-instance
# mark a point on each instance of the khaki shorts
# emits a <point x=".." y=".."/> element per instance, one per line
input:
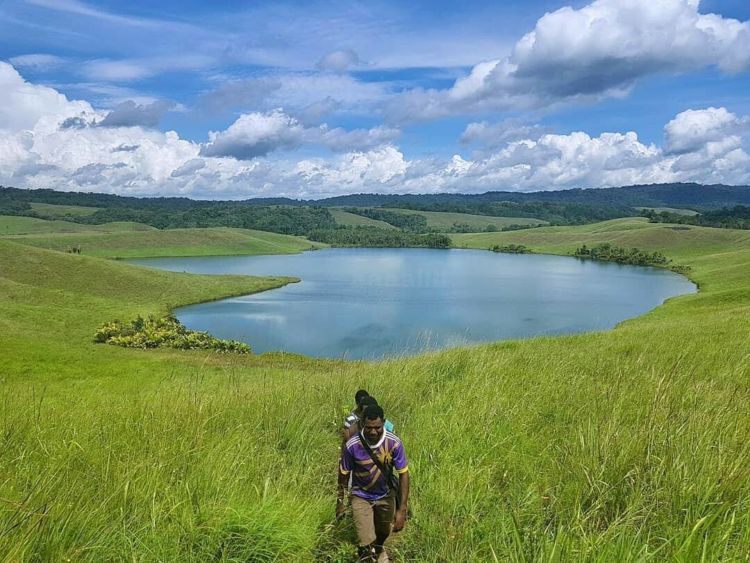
<point x="373" y="518"/>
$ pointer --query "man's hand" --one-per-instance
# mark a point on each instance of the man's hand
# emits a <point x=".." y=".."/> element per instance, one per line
<point x="340" y="509"/>
<point x="400" y="520"/>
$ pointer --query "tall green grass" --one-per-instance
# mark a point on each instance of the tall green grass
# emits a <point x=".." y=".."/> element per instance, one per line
<point x="630" y="444"/>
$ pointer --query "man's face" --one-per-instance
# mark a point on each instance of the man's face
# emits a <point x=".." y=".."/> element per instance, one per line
<point x="373" y="430"/>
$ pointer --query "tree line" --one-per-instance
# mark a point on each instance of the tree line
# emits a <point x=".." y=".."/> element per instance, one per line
<point x="609" y="253"/>
<point x="554" y="213"/>
<point x="737" y="217"/>
<point x="377" y="237"/>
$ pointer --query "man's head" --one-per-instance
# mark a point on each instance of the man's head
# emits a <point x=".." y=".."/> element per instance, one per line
<point x="373" y="420"/>
<point x="359" y="395"/>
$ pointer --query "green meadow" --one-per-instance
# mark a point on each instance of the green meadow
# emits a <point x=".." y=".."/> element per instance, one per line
<point x="353" y="220"/>
<point x="52" y="210"/>
<point x="624" y="445"/>
<point x="134" y="240"/>
<point x="446" y="220"/>
<point x="675" y="210"/>
<point x="16" y="225"/>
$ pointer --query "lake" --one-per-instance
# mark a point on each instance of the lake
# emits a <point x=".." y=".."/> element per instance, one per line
<point x="369" y="303"/>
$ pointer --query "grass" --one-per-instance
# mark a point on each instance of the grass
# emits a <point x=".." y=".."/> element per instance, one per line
<point x="172" y="242"/>
<point x="15" y="225"/>
<point x="674" y="210"/>
<point x="629" y="444"/>
<point x="353" y="220"/>
<point x="52" y="210"/>
<point x="446" y="220"/>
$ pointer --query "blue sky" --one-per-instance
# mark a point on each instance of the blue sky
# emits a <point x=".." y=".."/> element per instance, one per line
<point x="245" y="99"/>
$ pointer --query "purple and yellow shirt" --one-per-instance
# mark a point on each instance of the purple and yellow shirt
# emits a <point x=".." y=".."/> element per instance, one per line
<point x="368" y="482"/>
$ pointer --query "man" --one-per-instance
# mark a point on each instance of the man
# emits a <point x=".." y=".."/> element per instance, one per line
<point x="351" y="422"/>
<point x="372" y="457"/>
<point x="354" y="415"/>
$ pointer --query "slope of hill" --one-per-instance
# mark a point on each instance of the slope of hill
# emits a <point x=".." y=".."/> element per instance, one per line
<point x="172" y="242"/>
<point x="59" y="211"/>
<point x="622" y="445"/>
<point x="18" y="225"/>
<point x="445" y="220"/>
<point x="353" y="220"/>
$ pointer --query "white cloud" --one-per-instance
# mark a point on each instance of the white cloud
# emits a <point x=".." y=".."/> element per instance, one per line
<point x="127" y="70"/>
<point x="693" y="129"/>
<point x="256" y="134"/>
<point x="702" y="145"/>
<point x="306" y="95"/>
<point x="497" y="134"/>
<point x="339" y="61"/>
<point x="600" y="50"/>
<point x="24" y="104"/>
<point x="190" y="167"/>
<point x="36" y="61"/>
<point x="83" y="9"/>
<point x="130" y="114"/>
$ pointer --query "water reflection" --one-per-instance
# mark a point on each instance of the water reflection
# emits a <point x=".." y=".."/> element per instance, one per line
<point x="366" y="303"/>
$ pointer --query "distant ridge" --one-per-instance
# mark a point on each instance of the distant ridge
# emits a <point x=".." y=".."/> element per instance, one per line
<point x="689" y="195"/>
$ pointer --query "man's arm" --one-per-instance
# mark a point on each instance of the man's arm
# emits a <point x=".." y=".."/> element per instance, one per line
<point x="346" y="464"/>
<point x="341" y="494"/>
<point x="403" y="491"/>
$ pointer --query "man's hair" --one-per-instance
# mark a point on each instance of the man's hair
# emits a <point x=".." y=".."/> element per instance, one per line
<point x="373" y="412"/>
<point x="367" y="401"/>
<point x="359" y="395"/>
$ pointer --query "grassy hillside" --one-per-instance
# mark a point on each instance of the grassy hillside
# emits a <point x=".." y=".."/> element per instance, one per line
<point x="679" y="241"/>
<point x="629" y="444"/>
<point x="444" y="220"/>
<point x="16" y="225"/>
<point x="172" y="242"/>
<point x="352" y="219"/>
<point x="62" y="210"/>
<point x="674" y="210"/>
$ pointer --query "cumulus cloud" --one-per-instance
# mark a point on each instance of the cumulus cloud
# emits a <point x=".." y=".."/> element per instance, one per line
<point x="339" y="61"/>
<point x="498" y="134"/>
<point x="691" y="130"/>
<point x="597" y="51"/>
<point x="256" y="134"/>
<point x="24" y="104"/>
<point x="190" y="167"/>
<point x="125" y="148"/>
<point x="130" y="114"/>
<point x="701" y="145"/>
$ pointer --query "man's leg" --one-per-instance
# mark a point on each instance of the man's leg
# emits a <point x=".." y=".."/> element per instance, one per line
<point x="384" y="509"/>
<point x="364" y="523"/>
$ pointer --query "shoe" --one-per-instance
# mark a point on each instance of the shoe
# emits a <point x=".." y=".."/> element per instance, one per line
<point x="383" y="557"/>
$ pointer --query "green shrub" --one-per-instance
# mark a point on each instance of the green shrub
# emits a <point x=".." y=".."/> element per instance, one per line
<point x="163" y="332"/>
<point x="510" y="248"/>
<point x="635" y="256"/>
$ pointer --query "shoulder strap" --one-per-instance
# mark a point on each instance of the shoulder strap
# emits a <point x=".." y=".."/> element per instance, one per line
<point x="392" y="483"/>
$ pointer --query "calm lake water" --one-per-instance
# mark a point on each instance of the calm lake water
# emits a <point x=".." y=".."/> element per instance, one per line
<point x="369" y="303"/>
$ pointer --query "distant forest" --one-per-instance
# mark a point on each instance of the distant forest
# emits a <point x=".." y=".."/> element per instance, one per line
<point x="722" y="206"/>
<point x="737" y="217"/>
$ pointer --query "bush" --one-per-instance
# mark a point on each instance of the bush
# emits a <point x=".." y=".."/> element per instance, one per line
<point x="635" y="256"/>
<point x="510" y="249"/>
<point x="163" y="332"/>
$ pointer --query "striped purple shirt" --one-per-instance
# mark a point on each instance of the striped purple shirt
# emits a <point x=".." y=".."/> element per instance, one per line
<point x="368" y="482"/>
